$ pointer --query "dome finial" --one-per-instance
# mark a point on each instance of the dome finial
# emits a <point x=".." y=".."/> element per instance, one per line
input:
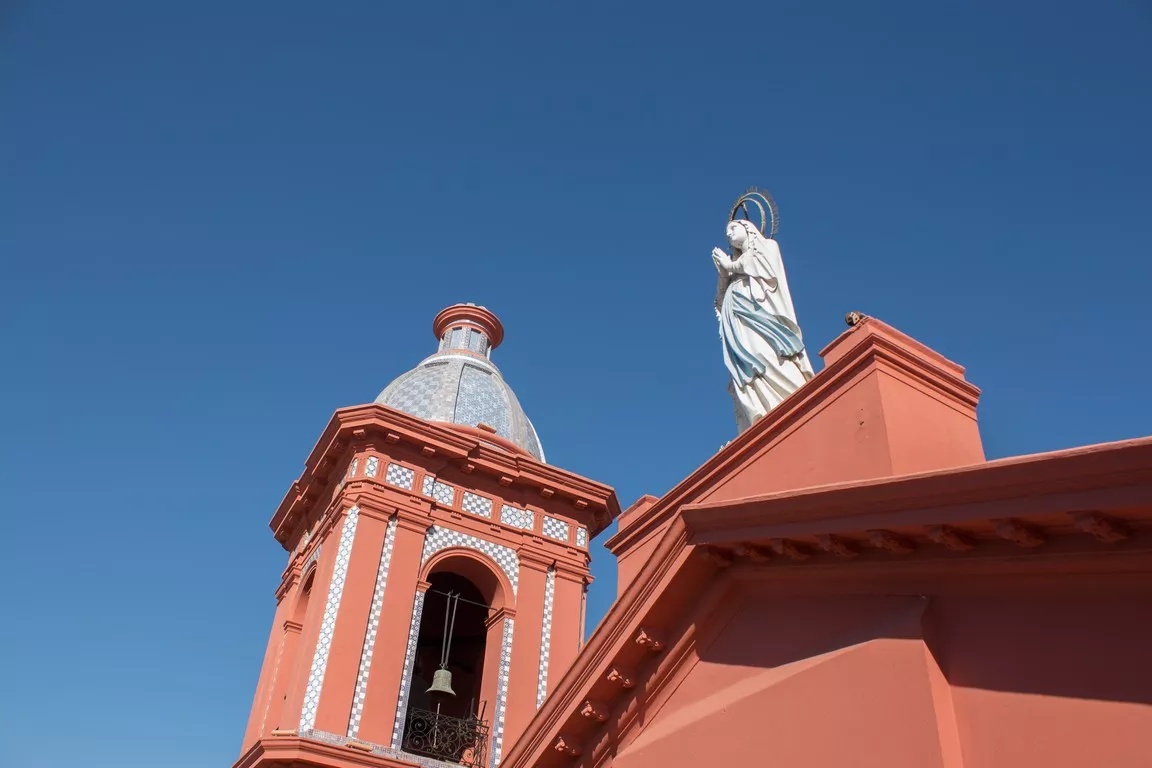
<point x="470" y="314"/>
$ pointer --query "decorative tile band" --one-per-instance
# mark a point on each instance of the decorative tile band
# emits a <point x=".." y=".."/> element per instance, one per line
<point x="406" y="676"/>
<point x="476" y="504"/>
<point x="328" y="623"/>
<point x="441" y="492"/>
<point x="501" y="694"/>
<point x="555" y="528"/>
<point x="399" y="476"/>
<point x="441" y="538"/>
<point x="311" y="558"/>
<point x="581" y="537"/>
<point x="518" y="518"/>
<point x="546" y="636"/>
<point x="372" y="467"/>
<point x="353" y="467"/>
<point x="370" y="635"/>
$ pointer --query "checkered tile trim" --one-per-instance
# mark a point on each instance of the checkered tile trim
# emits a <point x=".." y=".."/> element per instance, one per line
<point x="399" y="476"/>
<point x="555" y="529"/>
<point x="328" y="623"/>
<point x="311" y="558"/>
<point x="546" y="637"/>
<point x="581" y="537"/>
<point x="372" y="467"/>
<point x="370" y="636"/>
<point x="442" y="493"/>
<point x="477" y="505"/>
<point x="355" y="465"/>
<point x="406" y="676"/>
<point x="501" y="694"/>
<point x="519" y="518"/>
<point x="441" y="538"/>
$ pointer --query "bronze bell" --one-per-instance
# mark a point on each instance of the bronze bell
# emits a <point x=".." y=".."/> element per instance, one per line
<point x="442" y="683"/>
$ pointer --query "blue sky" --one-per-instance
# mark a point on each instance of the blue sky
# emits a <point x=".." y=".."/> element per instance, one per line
<point x="220" y="221"/>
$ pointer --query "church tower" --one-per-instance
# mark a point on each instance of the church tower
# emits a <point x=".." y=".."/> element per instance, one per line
<point x="426" y="534"/>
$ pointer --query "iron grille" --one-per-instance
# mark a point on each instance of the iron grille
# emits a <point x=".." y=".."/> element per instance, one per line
<point x="454" y="739"/>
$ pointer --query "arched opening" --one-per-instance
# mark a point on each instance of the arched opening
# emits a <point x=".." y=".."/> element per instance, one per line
<point x="305" y="595"/>
<point x="457" y="633"/>
<point x="463" y="645"/>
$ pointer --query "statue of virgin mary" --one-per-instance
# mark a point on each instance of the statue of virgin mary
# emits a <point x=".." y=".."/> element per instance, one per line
<point x="763" y="347"/>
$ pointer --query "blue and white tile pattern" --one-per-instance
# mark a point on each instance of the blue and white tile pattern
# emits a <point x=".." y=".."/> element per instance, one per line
<point x="406" y="675"/>
<point x="546" y="636"/>
<point x="399" y="476"/>
<point x="555" y="528"/>
<point x="439" y="538"/>
<point x="518" y="518"/>
<point x="476" y="504"/>
<point x="373" y="624"/>
<point x="442" y="493"/>
<point x="501" y="694"/>
<point x="328" y="623"/>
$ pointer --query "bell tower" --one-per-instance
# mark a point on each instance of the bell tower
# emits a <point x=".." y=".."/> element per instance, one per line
<point x="428" y="542"/>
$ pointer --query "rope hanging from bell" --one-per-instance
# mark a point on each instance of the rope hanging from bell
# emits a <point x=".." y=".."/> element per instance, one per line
<point x="442" y="679"/>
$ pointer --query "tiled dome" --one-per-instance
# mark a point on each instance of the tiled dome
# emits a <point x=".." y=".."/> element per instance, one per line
<point x="460" y="385"/>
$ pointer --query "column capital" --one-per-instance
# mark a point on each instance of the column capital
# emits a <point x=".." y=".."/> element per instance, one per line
<point x="498" y="617"/>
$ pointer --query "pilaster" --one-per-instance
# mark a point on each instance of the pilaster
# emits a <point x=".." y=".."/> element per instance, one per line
<point x="297" y="683"/>
<point x="260" y="700"/>
<point x="335" y="706"/>
<point x="387" y="666"/>
<point x="567" y="607"/>
<point x="525" y="663"/>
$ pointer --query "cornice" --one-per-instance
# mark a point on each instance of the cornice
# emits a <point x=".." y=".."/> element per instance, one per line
<point x="874" y="343"/>
<point x="1093" y="477"/>
<point x="593" y="503"/>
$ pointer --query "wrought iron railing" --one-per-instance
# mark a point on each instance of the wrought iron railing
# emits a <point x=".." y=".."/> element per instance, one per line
<point x="454" y="739"/>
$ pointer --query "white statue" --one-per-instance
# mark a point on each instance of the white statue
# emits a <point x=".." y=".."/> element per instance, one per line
<point x="763" y="348"/>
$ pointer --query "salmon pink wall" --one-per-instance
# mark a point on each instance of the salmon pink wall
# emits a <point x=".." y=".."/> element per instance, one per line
<point x="383" y="690"/>
<point x="629" y="561"/>
<point x="1050" y="676"/>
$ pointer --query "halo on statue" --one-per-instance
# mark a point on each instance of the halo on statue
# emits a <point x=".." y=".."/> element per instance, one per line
<point x="764" y="205"/>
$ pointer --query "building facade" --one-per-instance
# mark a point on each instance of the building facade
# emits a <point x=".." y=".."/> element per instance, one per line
<point x="849" y="582"/>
